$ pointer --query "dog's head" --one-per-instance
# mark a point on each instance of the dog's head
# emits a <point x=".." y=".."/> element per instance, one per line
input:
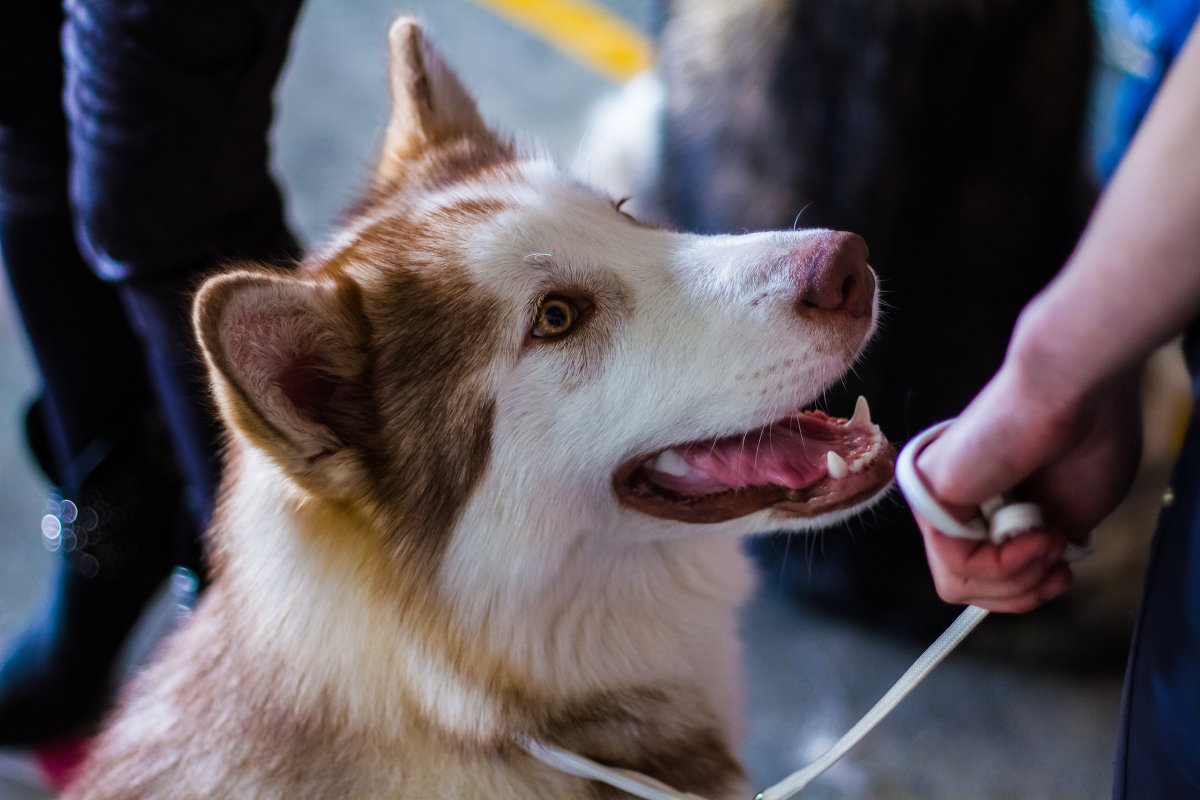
<point x="490" y="347"/>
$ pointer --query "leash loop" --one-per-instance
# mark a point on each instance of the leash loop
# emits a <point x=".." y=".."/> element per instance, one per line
<point x="998" y="520"/>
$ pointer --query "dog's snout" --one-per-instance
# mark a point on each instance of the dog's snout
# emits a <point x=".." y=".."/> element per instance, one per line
<point x="832" y="274"/>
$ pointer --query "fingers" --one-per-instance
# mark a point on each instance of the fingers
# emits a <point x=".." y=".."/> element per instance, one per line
<point x="1014" y="577"/>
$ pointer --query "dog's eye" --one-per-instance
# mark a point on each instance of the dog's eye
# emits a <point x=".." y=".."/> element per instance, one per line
<point x="555" y="317"/>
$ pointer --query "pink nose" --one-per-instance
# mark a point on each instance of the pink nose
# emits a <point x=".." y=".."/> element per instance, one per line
<point x="832" y="274"/>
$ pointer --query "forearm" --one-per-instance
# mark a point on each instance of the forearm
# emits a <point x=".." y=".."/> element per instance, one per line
<point x="1133" y="283"/>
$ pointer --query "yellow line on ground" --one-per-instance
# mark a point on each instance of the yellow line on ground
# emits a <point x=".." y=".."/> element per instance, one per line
<point x="586" y="32"/>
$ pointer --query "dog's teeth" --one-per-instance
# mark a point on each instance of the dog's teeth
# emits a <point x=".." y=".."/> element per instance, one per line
<point x="862" y="413"/>
<point x="671" y="463"/>
<point x="835" y="465"/>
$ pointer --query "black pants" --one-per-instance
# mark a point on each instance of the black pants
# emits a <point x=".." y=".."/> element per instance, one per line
<point x="1158" y="754"/>
<point x="133" y="160"/>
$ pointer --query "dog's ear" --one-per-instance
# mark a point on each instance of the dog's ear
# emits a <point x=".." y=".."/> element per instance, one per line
<point x="429" y="104"/>
<point x="286" y="357"/>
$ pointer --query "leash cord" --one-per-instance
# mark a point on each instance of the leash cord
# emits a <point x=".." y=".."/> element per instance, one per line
<point x="958" y="630"/>
<point x="635" y="783"/>
<point x="642" y="786"/>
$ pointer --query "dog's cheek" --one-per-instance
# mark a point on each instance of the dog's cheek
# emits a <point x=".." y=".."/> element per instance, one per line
<point x="430" y="381"/>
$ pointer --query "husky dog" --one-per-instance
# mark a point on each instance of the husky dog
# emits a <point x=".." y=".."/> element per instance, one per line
<point x="490" y="453"/>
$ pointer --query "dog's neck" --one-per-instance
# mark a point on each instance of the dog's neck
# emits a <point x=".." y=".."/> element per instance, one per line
<point x="610" y="651"/>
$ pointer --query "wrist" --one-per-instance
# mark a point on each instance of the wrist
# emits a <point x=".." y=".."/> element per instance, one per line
<point x="1061" y="364"/>
<point x="1043" y="364"/>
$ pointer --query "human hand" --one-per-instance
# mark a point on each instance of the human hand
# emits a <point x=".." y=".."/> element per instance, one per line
<point x="1075" y="457"/>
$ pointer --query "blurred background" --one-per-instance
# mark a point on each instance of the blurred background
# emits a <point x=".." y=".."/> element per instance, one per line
<point x="1028" y="710"/>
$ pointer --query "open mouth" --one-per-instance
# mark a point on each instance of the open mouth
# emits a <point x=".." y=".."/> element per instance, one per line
<point x="804" y="465"/>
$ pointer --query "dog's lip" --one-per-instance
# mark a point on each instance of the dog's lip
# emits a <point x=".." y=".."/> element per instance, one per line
<point x="800" y="485"/>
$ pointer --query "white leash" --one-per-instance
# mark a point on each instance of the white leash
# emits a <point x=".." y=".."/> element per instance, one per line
<point x="942" y="646"/>
<point x="626" y="780"/>
<point x="647" y="788"/>
<point x="998" y="521"/>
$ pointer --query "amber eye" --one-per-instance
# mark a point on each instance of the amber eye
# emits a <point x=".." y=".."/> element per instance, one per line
<point x="555" y="317"/>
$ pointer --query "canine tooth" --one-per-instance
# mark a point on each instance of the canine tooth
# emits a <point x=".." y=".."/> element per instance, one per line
<point x="862" y="412"/>
<point x="836" y="465"/>
<point x="671" y="463"/>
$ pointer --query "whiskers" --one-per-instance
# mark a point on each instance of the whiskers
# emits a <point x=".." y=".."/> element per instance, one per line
<point x="796" y="221"/>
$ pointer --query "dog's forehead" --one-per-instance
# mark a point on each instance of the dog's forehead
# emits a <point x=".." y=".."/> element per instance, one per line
<point x="513" y="230"/>
<point x="554" y="232"/>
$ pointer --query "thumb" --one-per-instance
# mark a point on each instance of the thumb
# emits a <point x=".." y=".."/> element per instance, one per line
<point x="986" y="451"/>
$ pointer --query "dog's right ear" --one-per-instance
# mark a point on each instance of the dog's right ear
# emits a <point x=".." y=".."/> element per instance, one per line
<point x="429" y="104"/>
<point x="286" y="357"/>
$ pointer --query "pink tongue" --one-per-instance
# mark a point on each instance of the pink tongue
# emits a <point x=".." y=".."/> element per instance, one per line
<point x="783" y="457"/>
<point x="791" y="455"/>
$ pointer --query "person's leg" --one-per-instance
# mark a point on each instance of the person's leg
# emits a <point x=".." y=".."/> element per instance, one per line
<point x="90" y="428"/>
<point x="1158" y="753"/>
<point x="169" y="107"/>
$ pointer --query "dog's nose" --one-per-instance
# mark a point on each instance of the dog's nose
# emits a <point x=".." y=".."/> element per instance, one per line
<point x="832" y="274"/>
